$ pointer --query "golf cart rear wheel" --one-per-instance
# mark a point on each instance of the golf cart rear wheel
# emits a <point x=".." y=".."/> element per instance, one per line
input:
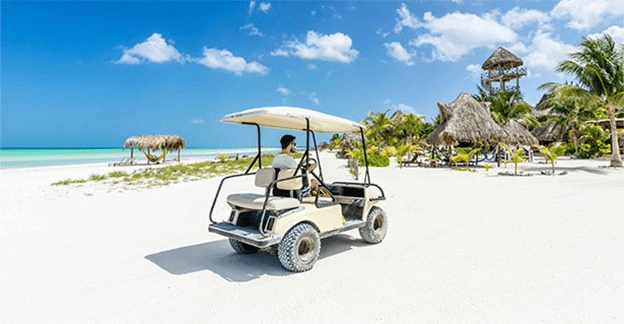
<point x="243" y="248"/>
<point x="300" y="248"/>
<point x="376" y="226"/>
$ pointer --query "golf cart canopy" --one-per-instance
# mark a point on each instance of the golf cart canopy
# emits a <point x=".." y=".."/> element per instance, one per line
<point x="293" y="118"/>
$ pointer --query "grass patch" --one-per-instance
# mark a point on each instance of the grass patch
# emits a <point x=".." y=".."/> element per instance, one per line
<point x="118" y="174"/>
<point x="151" y="177"/>
<point x="97" y="177"/>
<point x="67" y="182"/>
<point x="464" y="169"/>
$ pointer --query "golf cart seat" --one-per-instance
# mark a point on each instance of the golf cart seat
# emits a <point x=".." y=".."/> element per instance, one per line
<point x="264" y="177"/>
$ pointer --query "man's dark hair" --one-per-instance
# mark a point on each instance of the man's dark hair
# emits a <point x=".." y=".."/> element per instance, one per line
<point x="286" y="139"/>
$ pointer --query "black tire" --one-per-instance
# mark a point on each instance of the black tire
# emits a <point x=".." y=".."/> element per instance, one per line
<point x="376" y="226"/>
<point x="300" y="248"/>
<point x="243" y="248"/>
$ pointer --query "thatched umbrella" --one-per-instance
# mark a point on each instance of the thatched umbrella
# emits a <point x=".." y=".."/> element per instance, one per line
<point x="465" y="120"/>
<point x="517" y="134"/>
<point x="548" y="133"/>
<point x="164" y="142"/>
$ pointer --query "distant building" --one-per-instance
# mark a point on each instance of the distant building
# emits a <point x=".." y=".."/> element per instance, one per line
<point x="501" y="67"/>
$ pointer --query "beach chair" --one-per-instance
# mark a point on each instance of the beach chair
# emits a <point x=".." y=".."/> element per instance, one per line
<point x="125" y="161"/>
<point x="413" y="160"/>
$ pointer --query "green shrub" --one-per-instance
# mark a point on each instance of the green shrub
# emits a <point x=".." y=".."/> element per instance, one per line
<point x="593" y="142"/>
<point x="375" y="159"/>
<point x="118" y="174"/>
<point x="97" y="177"/>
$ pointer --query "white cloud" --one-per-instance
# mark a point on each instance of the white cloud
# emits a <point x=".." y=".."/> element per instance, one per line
<point x="280" y="52"/>
<point x="382" y="33"/>
<point x="406" y="19"/>
<point x="313" y="12"/>
<point x="407" y="109"/>
<point x="475" y="70"/>
<point x="616" y="32"/>
<point x="334" y="48"/>
<point x="399" y="53"/>
<point x="197" y="121"/>
<point x="312" y="67"/>
<point x="223" y="59"/>
<point x="253" y="31"/>
<point x="153" y="49"/>
<point x="518" y="18"/>
<point x="313" y="98"/>
<point x="264" y="7"/>
<point x="252" y="6"/>
<point x="387" y="101"/>
<point x="545" y="53"/>
<point x="456" y="34"/>
<point x="586" y="14"/>
<point x="457" y="1"/>
<point x="283" y="91"/>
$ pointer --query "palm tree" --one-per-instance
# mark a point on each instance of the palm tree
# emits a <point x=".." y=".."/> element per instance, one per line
<point x="506" y="105"/>
<point x="409" y="125"/>
<point x="599" y="69"/>
<point x="569" y="113"/>
<point x="516" y="156"/>
<point x="378" y="124"/>
<point x="552" y="153"/>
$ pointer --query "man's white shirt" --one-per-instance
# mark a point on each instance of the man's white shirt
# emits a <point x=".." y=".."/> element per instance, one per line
<point x="284" y="161"/>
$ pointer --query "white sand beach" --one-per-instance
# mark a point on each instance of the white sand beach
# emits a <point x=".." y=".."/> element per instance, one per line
<point x="462" y="247"/>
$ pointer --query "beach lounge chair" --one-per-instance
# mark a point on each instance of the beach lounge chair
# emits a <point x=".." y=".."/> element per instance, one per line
<point x="125" y="161"/>
<point x="413" y="160"/>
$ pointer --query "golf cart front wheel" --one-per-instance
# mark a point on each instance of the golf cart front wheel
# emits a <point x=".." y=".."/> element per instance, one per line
<point x="243" y="248"/>
<point x="300" y="248"/>
<point x="376" y="226"/>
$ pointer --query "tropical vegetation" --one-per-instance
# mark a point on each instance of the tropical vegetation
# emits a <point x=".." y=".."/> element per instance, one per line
<point x="599" y="70"/>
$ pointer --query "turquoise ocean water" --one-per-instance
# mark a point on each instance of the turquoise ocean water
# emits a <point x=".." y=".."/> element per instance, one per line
<point x="11" y="158"/>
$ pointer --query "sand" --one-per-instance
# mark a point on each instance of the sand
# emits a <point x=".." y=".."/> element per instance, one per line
<point x="462" y="247"/>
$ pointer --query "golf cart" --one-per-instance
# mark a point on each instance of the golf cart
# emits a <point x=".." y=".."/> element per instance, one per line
<point x="295" y="224"/>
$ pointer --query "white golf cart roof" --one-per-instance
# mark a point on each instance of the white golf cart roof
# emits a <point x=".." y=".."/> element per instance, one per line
<point x="293" y="118"/>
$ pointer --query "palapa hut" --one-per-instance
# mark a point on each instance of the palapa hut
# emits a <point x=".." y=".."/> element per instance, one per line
<point x="517" y="134"/>
<point x="164" y="142"/>
<point x="465" y="120"/>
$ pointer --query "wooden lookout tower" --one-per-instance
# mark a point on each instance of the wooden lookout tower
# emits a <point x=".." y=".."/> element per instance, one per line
<point x="502" y="66"/>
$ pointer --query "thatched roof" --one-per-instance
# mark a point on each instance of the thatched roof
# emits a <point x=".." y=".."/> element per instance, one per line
<point x="547" y="133"/>
<point x="396" y="116"/>
<point x="619" y="123"/>
<point x="465" y="120"/>
<point x="518" y="134"/>
<point x="168" y="142"/>
<point x="501" y="59"/>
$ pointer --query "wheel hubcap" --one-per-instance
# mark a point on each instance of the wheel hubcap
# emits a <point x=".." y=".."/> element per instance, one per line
<point x="305" y="250"/>
<point x="378" y="223"/>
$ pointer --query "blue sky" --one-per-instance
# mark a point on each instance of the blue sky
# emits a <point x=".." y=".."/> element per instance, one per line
<point x="90" y="74"/>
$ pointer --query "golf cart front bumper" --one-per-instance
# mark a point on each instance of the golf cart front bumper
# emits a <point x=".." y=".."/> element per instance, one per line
<point x="242" y="234"/>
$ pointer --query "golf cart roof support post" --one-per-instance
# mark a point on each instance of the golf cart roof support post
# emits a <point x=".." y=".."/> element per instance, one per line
<point x="318" y="159"/>
<point x="367" y="175"/>
<point x="259" y="145"/>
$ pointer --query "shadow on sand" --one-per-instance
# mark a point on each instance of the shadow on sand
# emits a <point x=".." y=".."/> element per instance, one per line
<point x="219" y="258"/>
<point x="559" y="169"/>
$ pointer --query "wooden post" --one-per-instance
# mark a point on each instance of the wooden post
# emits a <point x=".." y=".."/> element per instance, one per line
<point x="132" y="152"/>
<point x="498" y="154"/>
<point x="148" y="153"/>
<point x="179" y="154"/>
